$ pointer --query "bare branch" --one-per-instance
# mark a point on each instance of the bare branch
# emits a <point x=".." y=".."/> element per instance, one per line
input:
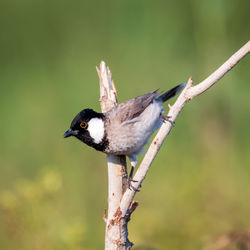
<point x="108" y="95"/>
<point x="220" y="72"/>
<point x="187" y="94"/>
<point x="121" y="205"/>
<point x="115" y="237"/>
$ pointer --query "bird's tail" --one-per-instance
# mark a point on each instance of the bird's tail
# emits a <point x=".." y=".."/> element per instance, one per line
<point x="171" y="93"/>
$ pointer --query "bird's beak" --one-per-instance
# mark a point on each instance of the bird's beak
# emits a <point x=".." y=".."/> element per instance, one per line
<point x="69" y="132"/>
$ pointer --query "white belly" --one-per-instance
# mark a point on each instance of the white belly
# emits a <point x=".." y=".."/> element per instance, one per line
<point x="130" y="136"/>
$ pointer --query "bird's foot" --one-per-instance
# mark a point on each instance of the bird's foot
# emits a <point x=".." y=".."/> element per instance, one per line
<point x="166" y="118"/>
<point x="131" y="187"/>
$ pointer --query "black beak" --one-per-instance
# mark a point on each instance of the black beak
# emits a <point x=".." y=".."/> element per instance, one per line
<point x="69" y="133"/>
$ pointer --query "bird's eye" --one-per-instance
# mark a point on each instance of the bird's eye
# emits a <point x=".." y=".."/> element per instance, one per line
<point x="83" y="124"/>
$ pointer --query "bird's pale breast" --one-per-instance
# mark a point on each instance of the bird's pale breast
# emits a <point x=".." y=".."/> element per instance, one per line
<point x="131" y="135"/>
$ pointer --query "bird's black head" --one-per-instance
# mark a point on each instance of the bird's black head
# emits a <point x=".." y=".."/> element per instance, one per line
<point x="88" y="126"/>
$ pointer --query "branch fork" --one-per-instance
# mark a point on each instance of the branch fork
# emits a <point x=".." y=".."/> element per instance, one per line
<point x="120" y="199"/>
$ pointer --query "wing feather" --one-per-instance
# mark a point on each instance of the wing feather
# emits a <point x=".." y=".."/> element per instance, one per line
<point x="129" y="110"/>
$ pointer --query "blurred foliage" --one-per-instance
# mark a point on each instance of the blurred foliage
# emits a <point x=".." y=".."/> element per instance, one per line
<point x="53" y="191"/>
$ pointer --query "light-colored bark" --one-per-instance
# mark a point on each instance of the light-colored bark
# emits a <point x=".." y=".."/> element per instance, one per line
<point x="121" y="203"/>
<point x="116" y="227"/>
<point x="187" y="94"/>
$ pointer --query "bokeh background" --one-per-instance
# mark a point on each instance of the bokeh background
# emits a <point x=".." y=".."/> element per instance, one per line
<point x="53" y="191"/>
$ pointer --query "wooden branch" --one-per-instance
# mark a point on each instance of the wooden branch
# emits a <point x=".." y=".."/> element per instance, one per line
<point x="108" y="95"/>
<point x="219" y="73"/>
<point x="187" y="94"/>
<point x="121" y="205"/>
<point x="116" y="227"/>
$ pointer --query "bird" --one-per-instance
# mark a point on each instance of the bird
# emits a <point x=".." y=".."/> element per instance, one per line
<point x="126" y="128"/>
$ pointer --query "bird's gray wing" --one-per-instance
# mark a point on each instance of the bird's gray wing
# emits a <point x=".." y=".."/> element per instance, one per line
<point x="128" y="111"/>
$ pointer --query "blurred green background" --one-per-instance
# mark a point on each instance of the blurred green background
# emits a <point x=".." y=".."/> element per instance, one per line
<point x="53" y="191"/>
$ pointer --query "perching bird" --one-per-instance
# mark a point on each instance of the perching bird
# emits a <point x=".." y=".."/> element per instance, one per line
<point x="126" y="128"/>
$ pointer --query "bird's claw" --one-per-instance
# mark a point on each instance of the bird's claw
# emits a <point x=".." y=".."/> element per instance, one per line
<point x="131" y="187"/>
<point x="166" y="118"/>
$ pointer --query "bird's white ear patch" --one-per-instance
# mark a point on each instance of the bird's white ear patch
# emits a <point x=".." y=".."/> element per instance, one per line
<point x="96" y="129"/>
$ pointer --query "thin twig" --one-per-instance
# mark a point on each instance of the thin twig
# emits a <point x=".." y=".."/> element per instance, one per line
<point x="187" y="94"/>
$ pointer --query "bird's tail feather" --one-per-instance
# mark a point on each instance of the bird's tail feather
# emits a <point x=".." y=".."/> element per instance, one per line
<point x="171" y="93"/>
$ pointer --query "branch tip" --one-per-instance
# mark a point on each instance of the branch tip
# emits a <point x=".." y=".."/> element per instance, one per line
<point x="134" y="204"/>
<point x="102" y="67"/>
<point x="98" y="70"/>
<point x="190" y="82"/>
